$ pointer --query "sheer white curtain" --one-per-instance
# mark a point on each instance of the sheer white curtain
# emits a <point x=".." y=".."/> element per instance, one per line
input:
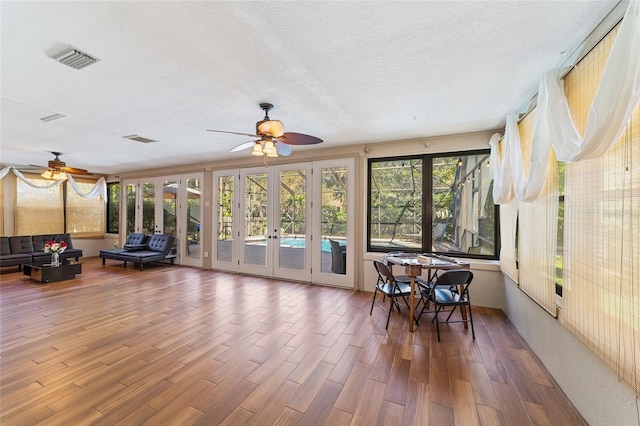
<point x="617" y="95"/>
<point x="501" y="169"/>
<point x="98" y="190"/>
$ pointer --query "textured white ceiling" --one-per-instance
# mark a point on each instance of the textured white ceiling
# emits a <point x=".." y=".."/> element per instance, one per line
<point x="346" y="72"/>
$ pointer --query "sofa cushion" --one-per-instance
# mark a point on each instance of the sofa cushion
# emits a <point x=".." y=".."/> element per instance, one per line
<point x="141" y="256"/>
<point x="21" y="244"/>
<point x="15" y="259"/>
<point x="5" y="248"/>
<point x="136" y="241"/>
<point x="67" y="239"/>
<point x="39" y="241"/>
<point x="113" y="253"/>
<point x="161" y="243"/>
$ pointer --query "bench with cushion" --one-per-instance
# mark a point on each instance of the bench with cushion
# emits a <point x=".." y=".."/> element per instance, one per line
<point x="157" y="248"/>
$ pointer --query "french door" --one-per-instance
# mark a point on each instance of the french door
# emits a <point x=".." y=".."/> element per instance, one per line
<point x="265" y="222"/>
<point x="167" y="205"/>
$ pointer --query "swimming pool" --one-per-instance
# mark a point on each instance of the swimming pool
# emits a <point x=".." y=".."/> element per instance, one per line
<point x="300" y="243"/>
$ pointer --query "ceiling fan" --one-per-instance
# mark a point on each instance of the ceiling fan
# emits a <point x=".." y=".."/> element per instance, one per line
<point x="56" y="167"/>
<point x="272" y="140"/>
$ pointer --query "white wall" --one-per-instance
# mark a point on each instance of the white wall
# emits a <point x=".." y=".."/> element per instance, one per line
<point x="585" y="379"/>
<point x="91" y="246"/>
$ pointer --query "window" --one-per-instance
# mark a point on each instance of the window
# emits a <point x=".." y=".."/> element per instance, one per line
<point x="433" y="203"/>
<point x="84" y="216"/>
<point x="559" y="245"/>
<point x="600" y="291"/>
<point x="57" y="209"/>
<point x="38" y="210"/>
<point x="113" y="207"/>
<point x="2" y="183"/>
<point x="537" y="228"/>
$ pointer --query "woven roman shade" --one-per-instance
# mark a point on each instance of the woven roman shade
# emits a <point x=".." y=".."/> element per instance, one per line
<point x="601" y="296"/>
<point x="537" y="229"/>
<point x="38" y="210"/>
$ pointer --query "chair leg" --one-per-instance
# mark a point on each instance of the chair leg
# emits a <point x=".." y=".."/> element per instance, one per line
<point x="389" y="314"/>
<point x="473" y="333"/>
<point x="406" y="302"/>
<point x="425" y="305"/>
<point x="437" y="322"/>
<point x="375" y="292"/>
<point x="451" y="313"/>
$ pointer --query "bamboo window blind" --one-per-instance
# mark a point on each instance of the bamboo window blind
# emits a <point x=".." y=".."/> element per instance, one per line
<point x="537" y="229"/>
<point x="601" y="296"/>
<point x="38" y="211"/>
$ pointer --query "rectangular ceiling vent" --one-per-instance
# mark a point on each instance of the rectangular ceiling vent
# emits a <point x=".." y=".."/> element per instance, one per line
<point x="140" y="139"/>
<point x="74" y="58"/>
<point x="52" y="117"/>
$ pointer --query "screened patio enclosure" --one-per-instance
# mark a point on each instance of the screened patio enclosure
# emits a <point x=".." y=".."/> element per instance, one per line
<point x="452" y="200"/>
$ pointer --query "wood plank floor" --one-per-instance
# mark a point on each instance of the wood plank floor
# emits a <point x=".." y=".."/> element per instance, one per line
<point x="178" y="345"/>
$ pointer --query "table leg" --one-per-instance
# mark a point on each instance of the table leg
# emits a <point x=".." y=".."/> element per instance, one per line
<point x="413" y="271"/>
<point x="463" y="309"/>
<point x="412" y="303"/>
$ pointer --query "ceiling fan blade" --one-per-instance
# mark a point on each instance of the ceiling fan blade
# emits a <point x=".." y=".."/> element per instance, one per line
<point x="291" y="138"/>
<point x="74" y="171"/>
<point x="234" y="133"/>
<point x="283" y="149"/>
<point x="242" y="146"/>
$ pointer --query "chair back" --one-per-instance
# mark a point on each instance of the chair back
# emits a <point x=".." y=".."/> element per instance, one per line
<point x="457" y="277"/>
<point x="384" y="272"/>
<point x="381" y="280"/>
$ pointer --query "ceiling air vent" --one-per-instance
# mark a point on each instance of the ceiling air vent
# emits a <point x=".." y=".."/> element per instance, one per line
<point x="74" y="58"/>
<point x="52" y="117"/>
<point x="140" y="139"/>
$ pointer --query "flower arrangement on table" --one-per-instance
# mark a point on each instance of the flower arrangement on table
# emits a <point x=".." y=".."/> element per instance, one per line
<point x="55" y="248"/>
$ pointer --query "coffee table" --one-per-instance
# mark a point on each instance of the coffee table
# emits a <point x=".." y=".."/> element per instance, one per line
<point x="49" y="274"/>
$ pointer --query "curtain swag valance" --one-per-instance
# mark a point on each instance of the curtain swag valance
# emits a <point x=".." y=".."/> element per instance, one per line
<point x="99" y="190"/>
<point x="617" y="95"/>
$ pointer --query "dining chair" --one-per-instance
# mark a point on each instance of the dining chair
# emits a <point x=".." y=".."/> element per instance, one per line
<point x="390" y="287"/>
<point x="449" y="290"/>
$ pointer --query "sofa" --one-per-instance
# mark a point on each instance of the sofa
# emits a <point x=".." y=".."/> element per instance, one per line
<point x="29" y="249"/>
<point x="140" y="249"/>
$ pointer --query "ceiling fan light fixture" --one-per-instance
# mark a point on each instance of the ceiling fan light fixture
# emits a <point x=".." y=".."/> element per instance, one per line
<point x="273" y="128"/>
<point x="272" y="154"/>
<point x="269" y="148"/>
<point x="257" y="149"/>
<point x="53" y="175"/>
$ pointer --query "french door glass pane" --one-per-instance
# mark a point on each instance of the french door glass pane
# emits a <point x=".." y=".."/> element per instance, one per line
<point x="131" y="208"/>
<point x="193" y="218"/>
<point x="169" y="210"/>
<point x="225" y="219"/>
<point x="293" y="223"/>
<point x="255" y="224"/>
<point x="332" y="244"/>
<point x="148" y="208"/>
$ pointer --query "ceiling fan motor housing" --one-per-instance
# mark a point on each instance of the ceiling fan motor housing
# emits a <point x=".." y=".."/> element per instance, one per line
<point x="267" y="127"/>
<point x="56" y="163"/>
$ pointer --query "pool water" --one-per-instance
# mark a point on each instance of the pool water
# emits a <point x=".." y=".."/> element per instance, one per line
<point x="300" y="243"/>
